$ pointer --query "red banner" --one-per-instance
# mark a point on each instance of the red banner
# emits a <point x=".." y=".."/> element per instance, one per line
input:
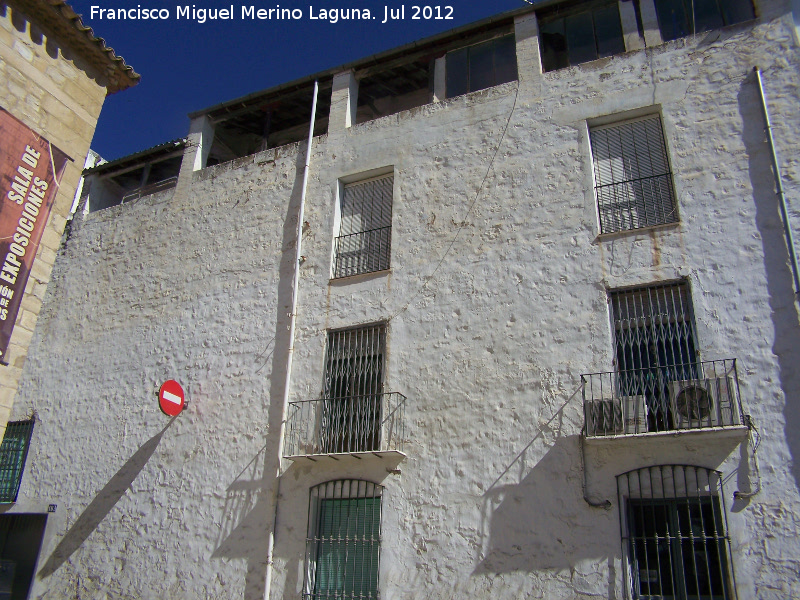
<point x="30" y="172"/>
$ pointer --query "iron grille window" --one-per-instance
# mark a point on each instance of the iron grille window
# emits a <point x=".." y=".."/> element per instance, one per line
<point x="574" y="35"/>
<point x="676" y="18"/>
<point x="365" y="232"/>
<point x="674" y="533"/>
<point x="654" y="344"/>
<point x="633" y="181"/>
<point x="481" y="66"/>
<point x="13" y="452"/>
<point x="344" y="541"/>
<point x="351" y="414"/>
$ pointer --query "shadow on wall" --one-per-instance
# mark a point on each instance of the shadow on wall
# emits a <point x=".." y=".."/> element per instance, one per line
<point x="541" y="522"/>
<point x="783" y="309"/>
<point x="102" y="504"/>
<point x="249" y="512"/>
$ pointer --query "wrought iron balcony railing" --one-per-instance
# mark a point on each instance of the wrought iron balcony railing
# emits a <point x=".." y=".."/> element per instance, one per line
<point x="362" y="252"/>
<point x="675" y="397"/>
<point x="373" y="423"/>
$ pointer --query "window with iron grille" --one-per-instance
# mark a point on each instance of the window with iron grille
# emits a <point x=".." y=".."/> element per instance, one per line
<point x="571" y="34"/>
<point x="481" y="66"/>
<point x="13" y="452"/>
<point x="365" y="230"/>
<point x="633" y="181"/>
<point x="679" y="18"/>
<point x="344" y="540"/>
<point x="353" y="389"/>
<point x="654" y="345"/>
<point x="674" y="533"/>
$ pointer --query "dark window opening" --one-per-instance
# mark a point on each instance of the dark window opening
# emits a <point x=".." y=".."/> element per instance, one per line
<point x="573" y="36"/>
<point x="20" y="541"/>
<point x="394" y="90"/>
<point x="256" y="124"/>
<point x="674" y="531"/>
<point x="481" y="66"/>
<point x="676" y="18"/>
<point x="353" y="390"/>
<point x="13" y="453"/>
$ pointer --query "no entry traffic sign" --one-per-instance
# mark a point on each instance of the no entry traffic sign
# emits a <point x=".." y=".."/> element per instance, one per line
<point x="170" y="398"/>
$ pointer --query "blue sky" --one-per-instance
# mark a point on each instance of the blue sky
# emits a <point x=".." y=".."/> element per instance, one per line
<point x="188" y="66"/>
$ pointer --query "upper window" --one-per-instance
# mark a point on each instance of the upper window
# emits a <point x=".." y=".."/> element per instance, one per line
<point x="679" y="18"/>
<point x="365" y="230"/>
<point x="578" y="34"/>
<point x="344" y="541"/>
<point x="632" y="177"/>
<point x="674" y="533"/>
<point x="481" y="66"/>
<point x="13" y="452"/>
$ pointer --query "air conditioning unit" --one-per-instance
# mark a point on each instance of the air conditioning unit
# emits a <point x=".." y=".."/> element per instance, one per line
<point x="702" y="402"/>
<point x="615" y="416"/>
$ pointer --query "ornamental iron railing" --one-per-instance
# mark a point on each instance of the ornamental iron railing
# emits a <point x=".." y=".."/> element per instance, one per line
<point x="362" y="252"/>
<point x="664" y="398"/>
<point x="370" y="423"/>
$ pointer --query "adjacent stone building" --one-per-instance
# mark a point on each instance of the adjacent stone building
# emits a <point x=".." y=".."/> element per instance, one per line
<point x="544" y="344"/>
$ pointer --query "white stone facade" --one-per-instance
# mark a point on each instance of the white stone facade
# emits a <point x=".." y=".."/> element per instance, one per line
<point x="495" y="304"/>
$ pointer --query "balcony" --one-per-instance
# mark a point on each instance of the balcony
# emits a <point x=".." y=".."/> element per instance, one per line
<point x="355" y="426"/>
<point x="702" y="396"/>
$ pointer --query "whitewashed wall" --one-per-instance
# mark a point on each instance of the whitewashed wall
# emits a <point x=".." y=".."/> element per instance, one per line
<point x="195" y="285"/>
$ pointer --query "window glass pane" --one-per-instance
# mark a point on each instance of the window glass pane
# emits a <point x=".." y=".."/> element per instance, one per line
<point x="736" y="11"/>
<point x="481" y="66"/>
<point x="457" y="72"/>
<point x="580" y="38"/>
<point x="672" y="19"/>
<point x="553" y="41"/>
<point x="608" y="29"/>
<point x="505" y="59"/>
<point x="707" y="15"/>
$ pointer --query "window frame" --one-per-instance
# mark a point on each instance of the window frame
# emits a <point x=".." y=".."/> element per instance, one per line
<point x="361" y="538"/>
<point x="663" y="201"/>
<point x="722" y="12"/>
<point x="369" y="249"/>
<point x="575" y="10"/>
<point x="454" y="88"/>
<point x="675" y="491"/>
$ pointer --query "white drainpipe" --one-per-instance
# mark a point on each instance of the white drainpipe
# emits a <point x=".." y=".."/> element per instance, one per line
<point x="292" y="319"/>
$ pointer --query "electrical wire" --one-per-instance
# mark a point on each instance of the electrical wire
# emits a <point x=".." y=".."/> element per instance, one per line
<point x="463" y="222"/>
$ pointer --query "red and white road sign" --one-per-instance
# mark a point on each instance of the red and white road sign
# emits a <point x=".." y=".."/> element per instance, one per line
<point x="170" y="398"/>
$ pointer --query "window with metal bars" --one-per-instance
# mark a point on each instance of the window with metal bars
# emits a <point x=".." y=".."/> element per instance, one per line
<point x="481" y="66"/>
<point x="13" y="452"/>
<point x="679" y="18"/>
<point x="654" y="344"/>
<point x="674" y="533"/>
<point x="633" y="181"/>
<point x="344" y="540"/>
<point x="365" y="230"/>
<point x="353" y="389"/>
<point x="571" y="34"/>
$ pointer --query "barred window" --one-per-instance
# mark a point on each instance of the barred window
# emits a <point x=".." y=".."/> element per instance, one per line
<point x="353" y="390"/>
<point x="344" y="540"/>
<point x="679" y="18"/>
<point x="481" y="66"/>
<point x="13" y="452"/>
<point x="633" y="181"/>
<point x="654" y="344"/>
<point x="674" y="533"/>
<point x="570" y="35"/>
<point x="365" y="231"/>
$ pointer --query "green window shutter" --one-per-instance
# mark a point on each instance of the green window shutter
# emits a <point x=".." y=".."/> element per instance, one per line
<point x="13" y="452"/>
<point x="348" y="548"/>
